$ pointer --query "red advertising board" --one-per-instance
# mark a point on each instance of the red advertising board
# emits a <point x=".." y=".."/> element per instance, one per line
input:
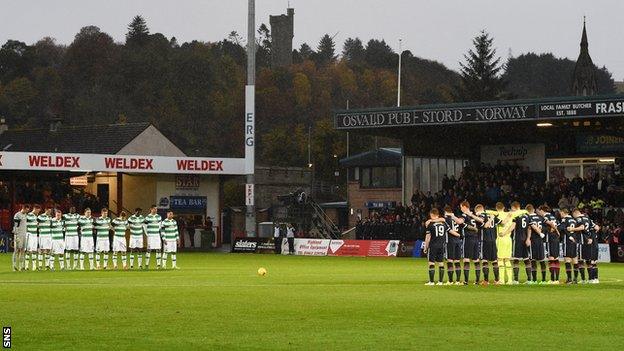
<point x="379" y="248"/>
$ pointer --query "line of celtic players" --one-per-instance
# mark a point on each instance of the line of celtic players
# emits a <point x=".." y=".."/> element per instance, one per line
<point x="44" y="237"/>
<point x="504" y="239"/>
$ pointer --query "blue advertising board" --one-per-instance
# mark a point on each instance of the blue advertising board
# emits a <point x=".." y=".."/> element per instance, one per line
<point x="188" y="204"/>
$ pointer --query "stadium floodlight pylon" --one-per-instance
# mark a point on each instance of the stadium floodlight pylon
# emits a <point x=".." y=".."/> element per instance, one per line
<point x="250" y="97"/>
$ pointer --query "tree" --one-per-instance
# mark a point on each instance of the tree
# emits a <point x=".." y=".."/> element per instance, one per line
<point x="480" y="74"/>
<point x="326" y="51"/>
<point x="235" y="38"/>
<point x="353" y="50"/>
<point x="263" y="45"/>
<point x="20" y="95"/>
<point x="138" y="33"/>
<point x="534" y="76"/>
<point x="302" y="90"/>
<point x="306" y="51"/>
<point x="15" y="60"/>
<point x="379" y="54"/>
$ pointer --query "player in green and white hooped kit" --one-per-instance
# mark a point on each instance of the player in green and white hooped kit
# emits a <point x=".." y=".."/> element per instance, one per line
<point x="20" y="235"/>
<point x="120" y="224"/>
<point x="153" y="223"/>
<point x="136" y="223"/>
<point x="71" y="237"/>
<point x="86" y="238"/>
<point x="172" y="237"/>
<point x="45" y="238"/>
<point x="58" y="242"/>
<point x="102" y="229"/>
<point x="32" y="241"/>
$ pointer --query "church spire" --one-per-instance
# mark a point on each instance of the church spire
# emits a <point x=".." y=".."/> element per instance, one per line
<point x="584" y="43"/>
<point x="584" y="77"/>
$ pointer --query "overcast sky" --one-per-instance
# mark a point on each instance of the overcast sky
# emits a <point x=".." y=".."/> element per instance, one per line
<point x="439" y="30"/>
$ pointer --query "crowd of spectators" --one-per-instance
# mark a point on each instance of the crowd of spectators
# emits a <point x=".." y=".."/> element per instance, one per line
<point x="504" y="183"/>
<point x="50" y="194"/>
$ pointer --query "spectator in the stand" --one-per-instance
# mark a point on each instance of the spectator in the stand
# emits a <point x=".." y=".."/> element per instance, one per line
<point x="493" y="192"/>
<point x="602" y="185"/>
<point x="618" y="219"/>
<point x="399" y="210"/>
<point x="445" y="182"/>
<point x="564" y="202"/>
<point x="596" y="203"/>
<point x="574" y="200"/>
<point x="415" y="200"/>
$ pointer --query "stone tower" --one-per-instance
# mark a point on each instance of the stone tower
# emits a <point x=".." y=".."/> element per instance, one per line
<point x="584" y="77"/>
<point x="282" y="33"/>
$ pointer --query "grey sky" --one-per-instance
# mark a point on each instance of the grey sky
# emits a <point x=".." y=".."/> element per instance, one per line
<point x="439" y="30"/>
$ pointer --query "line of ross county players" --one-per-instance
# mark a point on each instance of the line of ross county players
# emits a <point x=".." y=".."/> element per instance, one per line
<point x="502" y="240"/>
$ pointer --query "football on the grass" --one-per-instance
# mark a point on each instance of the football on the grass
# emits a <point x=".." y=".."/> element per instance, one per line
<point x="262" y="271"/>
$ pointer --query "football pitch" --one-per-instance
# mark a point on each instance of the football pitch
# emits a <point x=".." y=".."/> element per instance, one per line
<point x="218" y="302"/>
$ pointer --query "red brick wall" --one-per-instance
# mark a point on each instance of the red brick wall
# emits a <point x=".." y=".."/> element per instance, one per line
<point x="358" y="197"/>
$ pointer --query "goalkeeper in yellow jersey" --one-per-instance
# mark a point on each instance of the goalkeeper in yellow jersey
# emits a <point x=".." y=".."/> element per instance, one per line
<point x="503" y="242"/>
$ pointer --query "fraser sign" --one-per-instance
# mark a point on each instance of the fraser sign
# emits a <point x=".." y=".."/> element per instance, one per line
<point x="119" y="163"/>
<point x="471" y="113"/>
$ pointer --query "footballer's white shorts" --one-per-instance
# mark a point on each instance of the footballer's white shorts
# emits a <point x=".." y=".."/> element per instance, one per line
<point x="20" y="241"/>
<point x="102" y="245"/>
<point x="171" y="246"/>
<point x="71" y="243"/>
<point x="153" y="242"/>
<point x="136" y="242"/>
<point x="32" y="243"/>
<point x="86" y="244"/>
<point x="45" y="242"/>
<point x="119" y="244"/>
<point x="58" y="247"/>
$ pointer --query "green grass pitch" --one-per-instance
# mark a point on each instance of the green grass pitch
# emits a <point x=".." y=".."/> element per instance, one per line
<point x="218" y="302"/>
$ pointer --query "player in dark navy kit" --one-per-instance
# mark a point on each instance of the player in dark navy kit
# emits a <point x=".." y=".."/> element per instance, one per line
<point x="486" y="225"/>
<point x="593" y="263"/>
<point x="471" y="243"/>
<point x="570" y="239"/>
<point x="435" y="239"/>
<point x="537" y="251"/>
<point x="587" y="238"/>
<point x="589" y="249"/>
<point x="552" y="242"/>
<point x="519" y="243"/>
<point x="453" y="245"/>
<point x="582" y="224"/>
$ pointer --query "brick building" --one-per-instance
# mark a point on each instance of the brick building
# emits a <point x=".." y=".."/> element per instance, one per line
<point x="374" y="182"/>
